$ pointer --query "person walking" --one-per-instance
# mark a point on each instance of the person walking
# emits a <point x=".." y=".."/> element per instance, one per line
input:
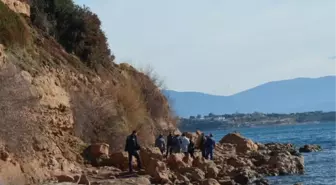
<point x="202" y="145"/>
<point x="169" y="144"/>
<point x="176" y="144"/>
<point x="132" y="146"/>
<point x="160" y="143"/>
<point x="210" y="146"/>
<point x="191" y="148"/>
<point x="184" y="144"/>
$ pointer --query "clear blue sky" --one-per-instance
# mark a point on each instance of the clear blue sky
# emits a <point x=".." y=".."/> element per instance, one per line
<point x="220" y="46"/>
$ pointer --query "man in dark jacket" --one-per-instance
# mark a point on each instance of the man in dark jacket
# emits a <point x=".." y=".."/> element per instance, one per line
<point x="210" y="146"/>
<point x="191" y="149"/>
<point x="202" y="145"/>
<point x="169" y="144"/>
<point x="132" y="148"/>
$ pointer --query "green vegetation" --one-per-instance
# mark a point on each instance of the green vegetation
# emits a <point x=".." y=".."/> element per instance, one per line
<point x="13" y="31"/>
<point x="76" y="28"/>
<point x="213" y="121"/>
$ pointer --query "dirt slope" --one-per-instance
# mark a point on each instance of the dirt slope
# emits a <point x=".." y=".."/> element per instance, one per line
<point x="52" y="105"/>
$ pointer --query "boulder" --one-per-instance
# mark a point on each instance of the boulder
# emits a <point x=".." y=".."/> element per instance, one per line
<point x="119" y="160"/>
<point x="84" y="180"/>
<point x="244" y="176"/>
<point x="158" y="171"/>
<point x="181" y="179"/>
<point x="243" y="145"/>
<point x="197" y="174"/>
<point x="99" y="149"/>
<point x="310" y="148"/>
<point x="285" y="163"/>
<point x="175" y="161"/>
<point x="129" y="181"/>
<point x="147" y="154"/>
<point x="209" y="167"/>
<point x="209" y="182"/>
<point x="65" y="178"/>
<point x="260" y="182"/>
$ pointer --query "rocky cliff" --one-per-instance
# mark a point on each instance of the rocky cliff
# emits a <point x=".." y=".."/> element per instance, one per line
<point x="53" y="104"/>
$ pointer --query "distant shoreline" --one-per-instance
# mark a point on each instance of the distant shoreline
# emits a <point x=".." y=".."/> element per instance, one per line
<point x="239" y="120"/>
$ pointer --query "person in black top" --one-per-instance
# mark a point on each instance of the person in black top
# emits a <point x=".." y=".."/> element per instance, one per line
<point x="169" y="144"/>
<point x="191" y="148"/>
<point x="132" y="148"/>
<point x="202" y="145"/>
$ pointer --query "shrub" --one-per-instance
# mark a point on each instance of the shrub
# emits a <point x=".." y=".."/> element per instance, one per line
<point x="76" y="28"/>
<point x="13" y="30"/>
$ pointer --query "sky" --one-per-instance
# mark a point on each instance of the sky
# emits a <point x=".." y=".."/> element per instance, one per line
<point x="218" y="46"/>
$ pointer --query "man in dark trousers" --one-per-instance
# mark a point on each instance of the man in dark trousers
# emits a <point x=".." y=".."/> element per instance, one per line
<point x="132" y="148"/>
<point x="210" y="146"/>
<point x="202" y="145"/>
<point x="169" y="144"/>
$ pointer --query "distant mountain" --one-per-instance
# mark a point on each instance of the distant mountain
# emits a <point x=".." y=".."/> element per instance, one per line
<point x="286" y="96"/>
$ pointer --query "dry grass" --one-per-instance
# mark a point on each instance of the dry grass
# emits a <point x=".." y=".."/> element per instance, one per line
<point x="130" y="104"/>
<point x="13" y="30"/>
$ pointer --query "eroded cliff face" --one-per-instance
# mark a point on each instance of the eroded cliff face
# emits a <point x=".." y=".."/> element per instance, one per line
<point x="18" y="6"/>
<point x="52" y="106"/>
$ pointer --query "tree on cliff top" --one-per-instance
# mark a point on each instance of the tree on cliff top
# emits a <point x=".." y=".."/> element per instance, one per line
<point x="76" y="28"/>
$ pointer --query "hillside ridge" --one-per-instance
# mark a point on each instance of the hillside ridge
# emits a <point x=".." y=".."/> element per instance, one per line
<point x="286" y="96"/>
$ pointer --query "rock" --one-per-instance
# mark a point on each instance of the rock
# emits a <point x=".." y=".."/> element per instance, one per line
<point x="197" y="174"/>
<point x="65" y="178"/>
<point x="18" y="6"/>
<point x="209" y="167"/>
<point x="227" y="182"/>
<point x="158" y="170"/>
<point x="84" y="180"/>
<point x="242" y="144"/>
<point x="260" y="182"/>
<point x="310" y="148"/>
<point x="99" y="149"/>
<point x="124" y="181"/>
<point x="181" y="179"/>
<point x="211" y="170"/>
<point x="26" y="75"/>
<point x="209" y="182"/>
<point x="175" y="161"/>
<point x="244" y="176"/>
<point x="146" y="154"/>
<point x="285" y="163"/>
<point x="4" y="155"/>
<point x="119" y="160"/>
<point x="2" y="56"/>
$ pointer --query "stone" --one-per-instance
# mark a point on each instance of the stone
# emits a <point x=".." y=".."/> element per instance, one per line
<point x="99" y="149"/>
<point x="243" y="145"/>
<point x="4" y="155"/>
<point x="119" y="160"/>
<point x="84" y="180"/>
<point x="175" y="161"/>
<point x="158" y="170"/>
<point x="18" y="6"/>
<point x="65" y="178"/>
<point x="285" y="163"/>
<point x="182" y="179"/>
<point x="26" y="75"/>
<point x="310" y="148"/>
<point x="209" y="182"/>
<point x="197" y="174"/>
<point x="146" y="154"/>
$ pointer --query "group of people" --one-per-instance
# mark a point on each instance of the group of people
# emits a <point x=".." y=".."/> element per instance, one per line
<point x="174" y="144"/>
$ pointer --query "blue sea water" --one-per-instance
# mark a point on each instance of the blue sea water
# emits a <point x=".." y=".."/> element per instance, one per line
<point x="319" y="166"/>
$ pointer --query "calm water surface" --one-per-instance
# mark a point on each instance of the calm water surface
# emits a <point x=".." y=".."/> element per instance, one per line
<point x="319" y="166"/>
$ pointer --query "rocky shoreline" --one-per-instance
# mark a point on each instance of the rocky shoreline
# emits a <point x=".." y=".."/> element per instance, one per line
<point x="237" y="161"/>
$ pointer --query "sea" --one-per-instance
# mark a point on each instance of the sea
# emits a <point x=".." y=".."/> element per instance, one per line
<point x="319" y="166"/>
